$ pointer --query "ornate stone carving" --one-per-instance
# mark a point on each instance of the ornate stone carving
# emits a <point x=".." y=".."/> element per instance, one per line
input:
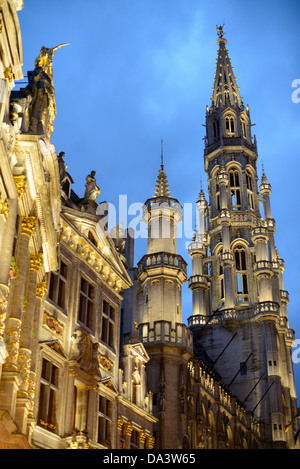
<point x="85" y="352"/>
<point x="28" y="225"/>
<point x="24" y="368"/>
<point x="54" y="326"/>
<point x="13" y="332"/>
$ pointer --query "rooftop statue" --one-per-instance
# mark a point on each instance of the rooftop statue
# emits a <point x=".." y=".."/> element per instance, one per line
<point x="45" y="59"/>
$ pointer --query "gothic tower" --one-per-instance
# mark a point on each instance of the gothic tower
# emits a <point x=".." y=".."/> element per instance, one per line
<point x="239" y="300"/>
<point x="168" y="342"/>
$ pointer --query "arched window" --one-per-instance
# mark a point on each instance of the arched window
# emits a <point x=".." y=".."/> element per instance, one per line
<point x="221" y="279"/>
<point x="216" y="132"/>
<point x="229" y="126"/>
<point x="249" y="184"/>
<point x="235" y="189"/>
<point x="241" y="273"/>
<point x="244" y="127"/>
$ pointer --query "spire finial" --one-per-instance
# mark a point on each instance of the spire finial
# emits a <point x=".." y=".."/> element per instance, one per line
<point x="162" y="153"/>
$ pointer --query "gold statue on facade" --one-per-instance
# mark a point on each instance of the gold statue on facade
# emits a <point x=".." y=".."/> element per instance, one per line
<point x="45" y="59"/>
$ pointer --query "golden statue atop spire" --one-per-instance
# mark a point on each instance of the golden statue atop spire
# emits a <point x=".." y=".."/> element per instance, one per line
<point x="220" y="31"/>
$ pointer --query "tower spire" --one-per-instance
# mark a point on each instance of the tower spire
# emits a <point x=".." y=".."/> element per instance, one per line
<point x="162" y="186"/>
<point x="225" y="90"/>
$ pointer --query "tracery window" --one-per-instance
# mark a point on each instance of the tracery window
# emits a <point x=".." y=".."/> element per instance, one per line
<point x="235" y="189"/>
<point x="229" y="126"/>
<point x="241" y="273"/>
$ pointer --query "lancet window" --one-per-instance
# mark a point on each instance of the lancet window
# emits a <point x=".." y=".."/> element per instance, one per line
<point x="229" y="126"/>
<point x="235" y="189"/>
<point x="249" y="184"/>
<point x="241" y="273"/>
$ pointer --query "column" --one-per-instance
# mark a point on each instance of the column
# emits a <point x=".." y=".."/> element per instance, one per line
<point x="36" y="262"/>
<point x="6" y="254"/>
<point x="13" y="328"/>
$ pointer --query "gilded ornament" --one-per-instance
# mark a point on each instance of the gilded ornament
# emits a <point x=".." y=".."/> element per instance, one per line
<point x="8" y="74"/>
<point x="28" y="225"/>
<point x="36" y="261"/>
<point x="41" y="289"/>
<point x="3" y="208"/>
<point x="20" y="184"/>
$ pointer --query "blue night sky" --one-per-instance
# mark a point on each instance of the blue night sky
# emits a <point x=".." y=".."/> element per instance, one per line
<point x="138" y="71"/>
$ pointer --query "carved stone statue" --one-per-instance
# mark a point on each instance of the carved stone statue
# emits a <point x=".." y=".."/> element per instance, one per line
<point x="92" y="191"/>
<point x="85" y="352"/>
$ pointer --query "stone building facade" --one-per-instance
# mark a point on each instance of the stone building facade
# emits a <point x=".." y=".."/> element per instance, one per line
<point x="93" y="350"/>
<point x="63" y="381"/>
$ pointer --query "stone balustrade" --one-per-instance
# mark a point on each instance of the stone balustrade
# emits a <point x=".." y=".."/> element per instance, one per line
<point x="162" y="258"/>
<point x="163" y="332"/>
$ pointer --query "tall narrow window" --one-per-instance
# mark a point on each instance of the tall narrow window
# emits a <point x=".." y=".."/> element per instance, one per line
<point x="108" y="324"/>
<point x="235" y="189"/>
<point x="218" y="197"/>
<point x="241" y="274"/>
<point x="86" y="304"/>
<point x="244" y="127"/>
<point x="249" y="184"/>
<point x="58" y="285"/>
<point x="229" y="124"/>
<point x="48" y="395"/>
<point x="221" y="278"/>
<point x="216" y="129"/>
<point x="105" y="421"/>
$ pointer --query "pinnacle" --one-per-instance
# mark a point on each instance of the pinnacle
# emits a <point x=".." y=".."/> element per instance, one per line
<point x="162" y="185"/>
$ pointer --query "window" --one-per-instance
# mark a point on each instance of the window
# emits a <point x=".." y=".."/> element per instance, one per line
<point x="108" y="324"/>
<point x="218" y="197"/>
<point x="221" y="277"/>
<point x="216" y="129"/>
<point x="135" y="439"/>
<point x="86" y="304"/>
<point x="235" y="189"/>
<point x="244" y="128"/>
<point x="48" y="395"/>
<point x="123" y="437"/>
<point x="243" y="368"/>
<point x="241" y="274"/>
<point x="250" y="189"/>
<point x="104" y="421"/>
<point x="229" y="126"/>
<point x="58" y="285"/>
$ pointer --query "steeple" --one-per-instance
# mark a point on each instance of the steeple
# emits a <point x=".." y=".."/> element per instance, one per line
<point x="225" y="91"/>
<point x="162" y="185"/>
